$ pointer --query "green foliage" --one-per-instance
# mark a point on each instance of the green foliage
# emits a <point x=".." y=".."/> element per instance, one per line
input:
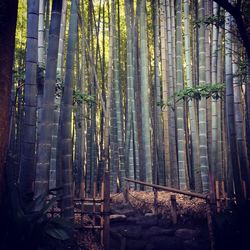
<point x="242" y="71"/>
<point x="161" y="104"/>
<point x="197" y="92"/>
<point x="79" y="98"/>
<point x="21" y="25"/>
<point x="218" y="21"/>
<point x="40" y="73"/>
<point x="30" y="227"/>
<point x="59" y="85"/>
<point x="19" y="75"/>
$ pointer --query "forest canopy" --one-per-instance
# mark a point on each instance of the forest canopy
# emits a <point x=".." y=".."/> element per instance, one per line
<point x="156" y="91"/>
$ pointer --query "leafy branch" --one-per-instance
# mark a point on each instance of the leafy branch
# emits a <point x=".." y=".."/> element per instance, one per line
<point x="79" y="98"/>
<point x="214" y="91"/>
<point x="217" y="20"/>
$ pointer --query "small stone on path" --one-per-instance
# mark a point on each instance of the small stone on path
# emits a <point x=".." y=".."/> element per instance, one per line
<point x="118" y="218"/>
<point x="186" y="234"/>
<point x="153" y="231"/>
<point x="133" y="232"/>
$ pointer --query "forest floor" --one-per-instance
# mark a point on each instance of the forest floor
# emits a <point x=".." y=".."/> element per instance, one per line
<point x="143" y="202"/>
<point x="134" y="225"/>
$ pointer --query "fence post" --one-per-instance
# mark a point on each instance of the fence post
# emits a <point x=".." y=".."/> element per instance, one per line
<point x="94" y="203"/>
<point x="217" y="197"/>
<point x="106" y="210"/>
<point x="82" y="196"/>
<point x="155" y="201"/>
<point x="121" y="179"/>
<point x="224" y="195"/>
<point x="210" y="223"/>
<point x="173" y="208"/>
<point x="125" y="192"/>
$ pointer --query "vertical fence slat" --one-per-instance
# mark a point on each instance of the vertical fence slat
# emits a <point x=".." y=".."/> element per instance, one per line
<point x="210" y="224"/>
<point x="155" y="201"/>
<point x="173" y="209"/>
<point x="106" y="210"/>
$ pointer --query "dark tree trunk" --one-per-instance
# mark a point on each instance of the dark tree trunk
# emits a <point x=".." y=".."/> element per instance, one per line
<point x="67" y="109"/>
<point x="45" y="139"/>
<point x="8" y="16"/>
<point x="242" y="22"/>
<point x="27" y="164"/>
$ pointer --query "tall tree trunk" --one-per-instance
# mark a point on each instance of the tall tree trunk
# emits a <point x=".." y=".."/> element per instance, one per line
<point x="207" y="6"/>
<point x="135" y="99"/>
<point x="110" y="90"/>
<point x="103" y="79"/>
<point x="230" y="113"/>
<point x="118" y="104"/>
<point x="41" y="65"/>
<point x="60" y="58"/>
<point x="247" y="100"/>
<point x="144" y="94"/>
<point x="214" y="111"/>
<point x="56" y="135"/>
<point x="182" y="160"/>
<point x="41" y="45"/>
<point x="92" y="88"/>
<point x="93" y="91"/>
<point x="8" y="17"/>
<point x="164" y="66"/>
<point x="44" y="145"/>
<point x="27" y="164"/>
<point x="241" y="20"/>
<point x="157" y="99"/>
<point x="47" y="25"/>
<point x="239" y="124"/>
<point x="219" y="170"/>
<point x="88" y="161"/>
<point x="80" y="114"/>
<point x="114" y="162"/>
<point x="171" y="89"/>
<point x="202" y="104"/>
<point x="129" y="155"/>
<point x="136" y="96"/>
<point x="195" y="162"/>
<point x="67" y="109"/>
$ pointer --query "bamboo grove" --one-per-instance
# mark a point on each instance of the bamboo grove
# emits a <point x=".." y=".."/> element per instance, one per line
<point x="151" y="90"/>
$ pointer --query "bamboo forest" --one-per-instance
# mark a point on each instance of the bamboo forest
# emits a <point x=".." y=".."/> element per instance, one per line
<point x="124" y="124"/>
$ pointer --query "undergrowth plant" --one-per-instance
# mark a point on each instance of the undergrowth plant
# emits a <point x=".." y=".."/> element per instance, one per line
<point x="29" y="227"/>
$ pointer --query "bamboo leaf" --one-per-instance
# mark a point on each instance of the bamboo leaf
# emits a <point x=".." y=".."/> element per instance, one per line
<point x="57" y="233"/>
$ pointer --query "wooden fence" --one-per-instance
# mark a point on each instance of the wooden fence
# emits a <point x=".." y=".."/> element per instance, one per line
<point x="97" y="208"/>
<point x="173" y="203"/>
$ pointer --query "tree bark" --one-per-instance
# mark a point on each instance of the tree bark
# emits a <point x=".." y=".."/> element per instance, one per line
<point x="44" y="144"/>
<point x="8" y="17"/>
<point x="230" y="115"/>
<point x="67" y="108"/>
<point x="28" y="150"/>
<point x="145" y="110"/>
<point x="242" y="26"/>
